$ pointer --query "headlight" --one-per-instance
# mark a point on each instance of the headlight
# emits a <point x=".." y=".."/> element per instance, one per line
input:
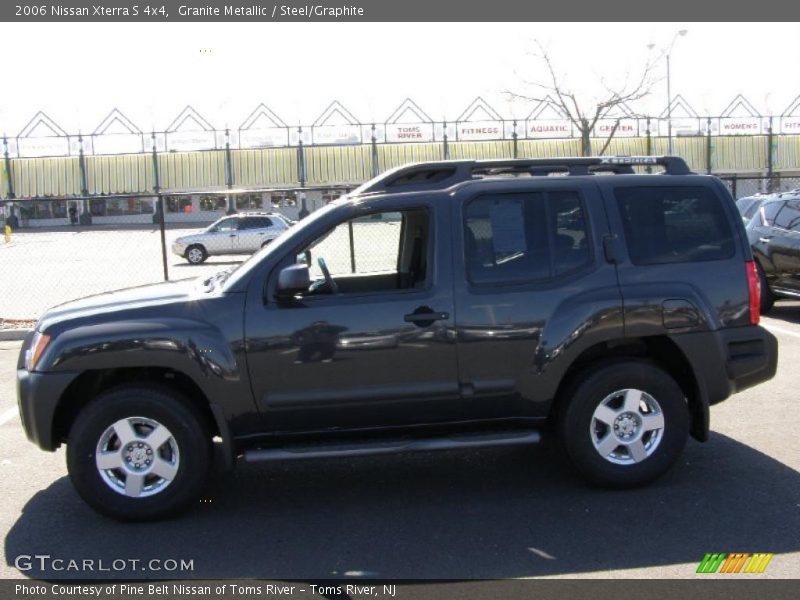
<point x="35" y="350"/>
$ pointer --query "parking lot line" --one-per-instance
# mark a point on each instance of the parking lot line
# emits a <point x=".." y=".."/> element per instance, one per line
<point x="8" y="415"/>
<point x="781" y="330"/>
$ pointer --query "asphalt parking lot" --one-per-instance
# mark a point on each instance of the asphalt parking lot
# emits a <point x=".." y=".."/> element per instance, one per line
<point x="500" y="513"/>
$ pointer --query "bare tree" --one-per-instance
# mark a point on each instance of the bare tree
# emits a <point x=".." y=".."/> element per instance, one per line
<point x="584" y="115"/>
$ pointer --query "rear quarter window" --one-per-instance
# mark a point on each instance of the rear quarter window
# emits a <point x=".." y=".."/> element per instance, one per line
<point x="674" y="224"/>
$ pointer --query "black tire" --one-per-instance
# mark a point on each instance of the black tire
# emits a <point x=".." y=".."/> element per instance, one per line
<point x="577" y="425"/>
<point x="267" y="243"/>
<point x="195" y="258"/>
<point x="767" y="297"/>
<point x="190" y="434"/>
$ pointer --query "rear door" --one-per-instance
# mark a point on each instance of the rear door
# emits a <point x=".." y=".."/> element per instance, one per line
<point x="254" y="232"/>
<point x="682" y="255"/>
<point x="532" y="290"/>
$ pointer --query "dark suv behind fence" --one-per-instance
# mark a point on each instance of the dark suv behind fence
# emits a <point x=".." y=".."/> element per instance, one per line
<point x="442" y="305"/>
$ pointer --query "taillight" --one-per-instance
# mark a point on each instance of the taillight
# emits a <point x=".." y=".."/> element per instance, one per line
<point x="754" y="289"/>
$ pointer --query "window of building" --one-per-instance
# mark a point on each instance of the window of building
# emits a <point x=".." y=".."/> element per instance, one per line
<point x="178" y="204"/>
<point x="249" y="202"/>
<point x="44" y="209"/>
<point x="514" y="238"/>
<point x="97" y="207"/>
<point x="670" y="224"/>
<point x="128" y="206"/>
<point x="212" y="202"/>
<point x="330" y="195"/>
<point x="282" y="199"/>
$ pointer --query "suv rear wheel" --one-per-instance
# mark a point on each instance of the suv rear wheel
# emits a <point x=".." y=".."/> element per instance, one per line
<point x="139" y="452"/>
<point x="625" y="423"/>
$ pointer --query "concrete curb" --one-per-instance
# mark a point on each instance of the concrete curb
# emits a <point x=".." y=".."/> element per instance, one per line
<point x="9" y="335"/>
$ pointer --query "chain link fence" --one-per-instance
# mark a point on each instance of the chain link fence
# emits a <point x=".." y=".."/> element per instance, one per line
<point x="742" y="187"/>
<point x="60" y="250"/>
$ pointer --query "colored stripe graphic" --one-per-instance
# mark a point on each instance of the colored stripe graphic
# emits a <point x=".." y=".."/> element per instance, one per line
<point x="736" y="562"/>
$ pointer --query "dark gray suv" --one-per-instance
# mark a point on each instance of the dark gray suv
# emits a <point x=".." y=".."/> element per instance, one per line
<point x="441" y="305"/>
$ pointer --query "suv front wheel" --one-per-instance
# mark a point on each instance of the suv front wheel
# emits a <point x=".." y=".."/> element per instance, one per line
<point x="625" y="423"/>
<point x="139" y="452"/>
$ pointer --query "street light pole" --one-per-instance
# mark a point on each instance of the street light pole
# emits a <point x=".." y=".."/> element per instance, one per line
<point x="666" y="53"/>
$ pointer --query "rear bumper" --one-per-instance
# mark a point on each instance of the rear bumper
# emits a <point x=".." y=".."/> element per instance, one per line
<point x="38" y="395"/>
<point x="730" y="360"/>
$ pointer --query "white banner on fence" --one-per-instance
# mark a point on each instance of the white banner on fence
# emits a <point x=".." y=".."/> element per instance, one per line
<point x="680" y="126"/>
<point x="550" y="128"/>
<point x="409" y="132"/>
<point x="336" y="134"/>
<point x="739" y="125"/>
<point x="267" y="137"/>
<point x="43" y="146"/>
<point x="626" y="128"/>
<point x="116" y="143"/>
<point x="190" y="140"/>
<point x="790" y="125"/>
<point x="480" y="130"/>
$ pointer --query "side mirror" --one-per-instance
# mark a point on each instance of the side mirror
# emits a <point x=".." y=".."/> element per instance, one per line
<point x="292" y="280"/>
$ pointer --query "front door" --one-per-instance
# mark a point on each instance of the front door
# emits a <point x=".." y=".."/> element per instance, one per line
<point x="370" y="344"/>
<point x="223" y="237"/>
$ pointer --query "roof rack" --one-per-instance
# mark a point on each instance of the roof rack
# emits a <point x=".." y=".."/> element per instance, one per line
<point x="443" y="174"/>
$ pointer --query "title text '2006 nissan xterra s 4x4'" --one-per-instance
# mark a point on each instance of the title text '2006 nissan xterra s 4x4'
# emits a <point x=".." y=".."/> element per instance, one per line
<point x="441" y="305"/>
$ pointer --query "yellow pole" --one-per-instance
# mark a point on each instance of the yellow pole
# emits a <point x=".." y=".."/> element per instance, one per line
<point x="8" y="233"/>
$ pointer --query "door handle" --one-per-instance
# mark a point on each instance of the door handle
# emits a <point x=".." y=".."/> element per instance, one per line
<point x="232" y="235"/>
<point x="764" y="240"/>
<point x="424" y="316"/>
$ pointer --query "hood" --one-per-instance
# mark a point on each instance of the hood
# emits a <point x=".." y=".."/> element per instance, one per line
<point x="191" y="237"/>
<point x="142" y="297"/>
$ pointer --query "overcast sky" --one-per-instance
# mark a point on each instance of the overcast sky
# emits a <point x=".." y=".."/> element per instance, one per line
<point x="77" y="73"/>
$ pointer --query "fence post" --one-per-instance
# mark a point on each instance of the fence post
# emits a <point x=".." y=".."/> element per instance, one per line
<point x="769" y="148"/>
<point x="228" y="171"/>
<point x="445" y="149"/>
<point x="160" y="208"/>
<point x="352" y="247"/>
<point x="85" y="217"/>
<point x="301" y="159"/>
<point x="514" y="137"/>
<point x="648" y="144"/>
<point x="708" y="146"/>
<point x="733" y="187"/>
<point x="9" y="179"/>
<point x="374" y="142"/>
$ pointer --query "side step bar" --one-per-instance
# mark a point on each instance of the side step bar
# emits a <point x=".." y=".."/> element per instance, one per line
<point x="372" y="448"/>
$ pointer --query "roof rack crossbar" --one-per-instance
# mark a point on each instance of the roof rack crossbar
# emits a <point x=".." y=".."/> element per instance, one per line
<point x="443" y="174"/>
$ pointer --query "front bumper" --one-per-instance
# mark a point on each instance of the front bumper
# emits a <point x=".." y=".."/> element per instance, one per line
<point x="179" y="249"/>
<point x="38" y="395"/>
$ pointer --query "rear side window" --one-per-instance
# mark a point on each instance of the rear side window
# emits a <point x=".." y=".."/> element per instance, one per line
<point x="674" y="224"/>
<point x="255" y="223"/>
<point x="514" y="238"/>
<point x="788" y="216"/>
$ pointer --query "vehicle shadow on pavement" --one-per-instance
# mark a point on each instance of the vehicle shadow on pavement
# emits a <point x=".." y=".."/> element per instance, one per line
<point x="459" y="515"/>
<point x="786" y="311"/>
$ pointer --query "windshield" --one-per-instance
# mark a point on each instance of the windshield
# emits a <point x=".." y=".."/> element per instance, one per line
<point x="233" y="275"/>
